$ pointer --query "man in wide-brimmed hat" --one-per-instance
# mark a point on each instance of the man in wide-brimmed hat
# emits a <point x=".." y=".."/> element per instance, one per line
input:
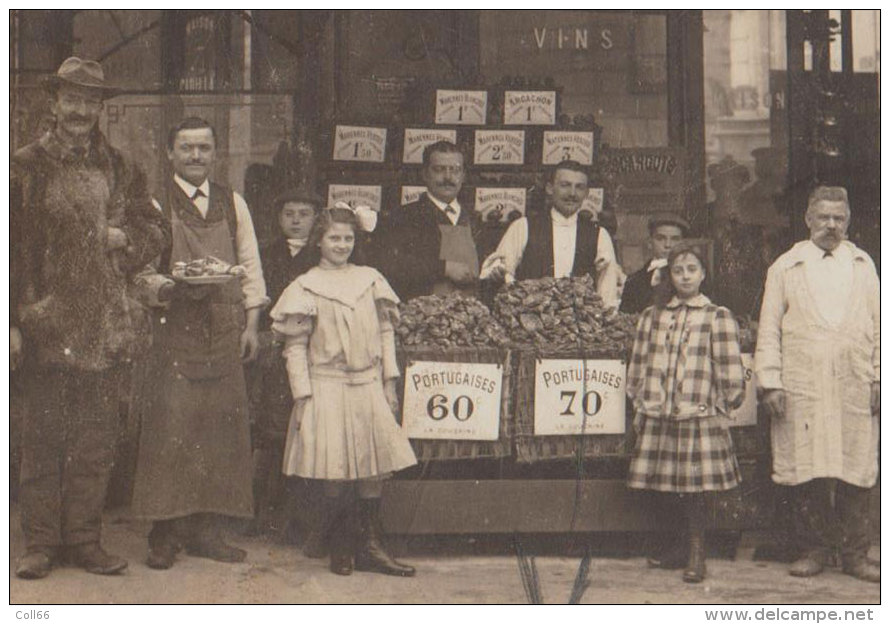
<point x="81" y="224"/>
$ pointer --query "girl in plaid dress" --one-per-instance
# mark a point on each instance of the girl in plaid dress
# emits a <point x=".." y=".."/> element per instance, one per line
<point x="684" y="379"/>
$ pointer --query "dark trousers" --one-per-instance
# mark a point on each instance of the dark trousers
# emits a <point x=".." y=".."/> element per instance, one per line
<point x="820" y="527"/>
<point x="68" y="438"/>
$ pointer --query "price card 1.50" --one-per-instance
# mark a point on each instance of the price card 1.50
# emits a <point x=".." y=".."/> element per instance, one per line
<point x="452" y="400"/>
<point x="579" y="397"/>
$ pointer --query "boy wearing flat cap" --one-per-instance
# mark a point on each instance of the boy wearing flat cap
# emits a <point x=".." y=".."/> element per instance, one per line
<point x="666" y="229"/>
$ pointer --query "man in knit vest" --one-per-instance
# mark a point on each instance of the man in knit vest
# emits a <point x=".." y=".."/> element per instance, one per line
<point x="557" y="241"/>
<point x="194" y="460"/>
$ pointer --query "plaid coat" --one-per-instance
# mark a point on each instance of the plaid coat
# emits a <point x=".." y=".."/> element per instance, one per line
<point x="686" y="361"/>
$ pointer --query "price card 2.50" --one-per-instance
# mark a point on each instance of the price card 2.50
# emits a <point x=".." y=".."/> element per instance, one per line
<point x="452" y="400"/>
<point x="579" y="397"/>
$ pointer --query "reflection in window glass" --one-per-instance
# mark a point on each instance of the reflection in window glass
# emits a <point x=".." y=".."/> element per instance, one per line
<point x="866" y="41"/>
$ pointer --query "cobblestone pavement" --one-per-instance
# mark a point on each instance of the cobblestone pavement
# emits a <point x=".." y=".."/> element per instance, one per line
<point x="278" y="573"/>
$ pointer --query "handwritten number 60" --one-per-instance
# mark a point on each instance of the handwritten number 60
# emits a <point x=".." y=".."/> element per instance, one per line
<point x="462" y="408"/>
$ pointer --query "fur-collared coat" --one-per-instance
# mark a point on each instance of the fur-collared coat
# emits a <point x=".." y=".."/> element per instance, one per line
<point x="68" y="294"/>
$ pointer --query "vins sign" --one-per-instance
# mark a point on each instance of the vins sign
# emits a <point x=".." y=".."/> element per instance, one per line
<point x="452" y="400"/>
<point x="579" y="397"/>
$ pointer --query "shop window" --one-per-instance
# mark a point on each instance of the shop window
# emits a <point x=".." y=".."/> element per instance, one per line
<point x="127" y="43"/>
<point x="744" y="66"/>
<point x="608" y="64"/>
<point x="866" y="41"/>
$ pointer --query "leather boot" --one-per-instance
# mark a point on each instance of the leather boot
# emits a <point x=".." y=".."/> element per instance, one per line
<point x="695" y="568"/>
<point x="35" y="564"/>
<point x="316" y="544"/>
<point x="342" y="541"/>
<point x="92" y="558"/>
<point x="371" y="555"/>
<point x="696" y="514"/>
<point x="208" y="543"/>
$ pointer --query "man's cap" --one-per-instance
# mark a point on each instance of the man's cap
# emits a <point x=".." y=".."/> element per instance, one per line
<point x="668" y="218"/>
<point x="81" y="73"/>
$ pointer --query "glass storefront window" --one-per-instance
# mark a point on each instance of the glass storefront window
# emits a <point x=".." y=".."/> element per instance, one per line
<point x="608" y="64"/>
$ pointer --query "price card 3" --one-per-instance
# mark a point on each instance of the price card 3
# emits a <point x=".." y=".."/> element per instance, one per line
<point x="452" y="400"/>
<point x="575" y="397"/>
<point x="560" y="145"/>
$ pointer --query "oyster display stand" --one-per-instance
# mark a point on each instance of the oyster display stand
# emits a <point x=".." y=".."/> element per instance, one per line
<point x="524" y="483"/>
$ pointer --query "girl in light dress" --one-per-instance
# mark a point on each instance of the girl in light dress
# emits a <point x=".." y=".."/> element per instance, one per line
<point x="684" y="379"/>
<point x="337" y="320"/>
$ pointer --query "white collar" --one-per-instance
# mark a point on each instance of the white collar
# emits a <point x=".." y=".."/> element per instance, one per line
<point x="698" y="301"/>
<point x="656" y="263"/>
<point x="443" y="205"/>
<point x="190" y="188"/>
<point x="562" y="221"/>
<point x="811" y="251"/>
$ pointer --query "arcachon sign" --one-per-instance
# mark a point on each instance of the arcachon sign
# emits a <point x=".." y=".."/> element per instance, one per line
<point x="530" y="107"/>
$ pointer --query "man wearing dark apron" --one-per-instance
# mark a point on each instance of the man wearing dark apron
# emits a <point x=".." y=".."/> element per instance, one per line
<point x="194" y="459"/>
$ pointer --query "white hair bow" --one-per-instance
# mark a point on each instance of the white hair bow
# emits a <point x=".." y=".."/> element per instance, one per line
<point x="365" y="215"/>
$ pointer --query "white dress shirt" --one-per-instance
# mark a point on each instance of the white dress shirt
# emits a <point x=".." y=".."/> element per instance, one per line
<point x="247" y="250"/>
<point x="830" y="279"/>
<point x="454" y="216"/>
<point x="565" y="231"/>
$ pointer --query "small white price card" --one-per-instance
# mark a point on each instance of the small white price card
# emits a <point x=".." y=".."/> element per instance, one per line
<point x="359" y="143"/>
<point x="499" y="147"/>
<point x="560" y="146"/>
<point x="530" y="108"/>
<point x="461" y="107"/>
<point x="746" y="414"/>
<point x="411" y="194"/>
<point x="355" y="195"/>
<point x="498" y="204"/>
<point x="452" y="400"/>
<point x="579" y="397"/>
<point x="416" y="139"/>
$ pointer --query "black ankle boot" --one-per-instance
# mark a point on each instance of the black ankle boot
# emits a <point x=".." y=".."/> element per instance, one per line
<point x="696" y="514"/>
<point x="695" y="568"/>
<point x="371" y="555"/>
<point x="342" y="541"/>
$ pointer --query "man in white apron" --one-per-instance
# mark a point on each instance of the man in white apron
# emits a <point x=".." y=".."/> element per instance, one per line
<point x="818" y="365"/>
<point x="194" y="454"/>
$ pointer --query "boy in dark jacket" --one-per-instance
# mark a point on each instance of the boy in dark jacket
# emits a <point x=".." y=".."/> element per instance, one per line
<point x="283" y="260"/>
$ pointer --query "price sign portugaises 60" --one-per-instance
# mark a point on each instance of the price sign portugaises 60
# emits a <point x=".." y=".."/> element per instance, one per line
<point x="579" y="397"/>
<point x="452" y="400"/>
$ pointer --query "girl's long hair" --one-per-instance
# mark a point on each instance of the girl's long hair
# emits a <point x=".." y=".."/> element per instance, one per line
<point x="665" y="290"/>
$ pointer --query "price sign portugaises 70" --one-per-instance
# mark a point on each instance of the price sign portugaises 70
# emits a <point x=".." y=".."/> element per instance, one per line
<point x="452" y="400"/>
<point x="579" y="397"/>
